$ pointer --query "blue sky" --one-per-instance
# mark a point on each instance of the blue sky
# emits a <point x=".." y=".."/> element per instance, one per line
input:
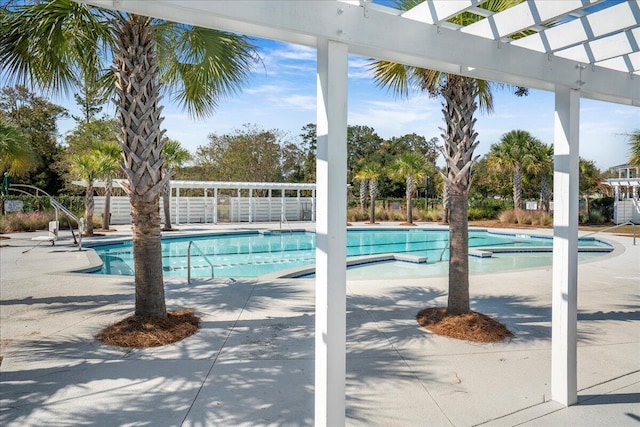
<point x="281" y="94"/>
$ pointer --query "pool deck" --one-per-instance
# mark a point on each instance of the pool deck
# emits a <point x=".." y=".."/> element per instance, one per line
<point x="252" y="362"/>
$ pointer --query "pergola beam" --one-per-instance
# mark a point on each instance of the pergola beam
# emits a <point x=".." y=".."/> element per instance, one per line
<point x="403" y="40"/>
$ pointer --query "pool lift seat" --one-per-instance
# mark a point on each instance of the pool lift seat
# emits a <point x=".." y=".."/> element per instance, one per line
<point x="54" y="227"/>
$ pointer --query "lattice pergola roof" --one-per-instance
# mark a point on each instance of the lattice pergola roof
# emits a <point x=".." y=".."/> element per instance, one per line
<point x="591" y="45"/>
<point x="592" y="32"/>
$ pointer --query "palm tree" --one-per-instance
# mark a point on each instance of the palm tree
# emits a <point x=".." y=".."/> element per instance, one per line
<point x="461" y="97"/>
<point x="174" y="155"/>
<point x="409" y="166"/>
<point x="49" y="42"/>
<point x="516" y="153"/>
<point x="16" y="157"/>
<point x="544" y="169"/>
<point x="89" y="167"/>
<point x="110" y="154"/>
<point x="371" y="172"/>
<point x="363" y="190"/>
<point x="634" y="147"/>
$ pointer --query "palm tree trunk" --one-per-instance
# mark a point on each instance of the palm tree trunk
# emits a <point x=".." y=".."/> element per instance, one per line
<point x="545" y="193"/>
<point x="89" y="206"/>
<point x="147" y="257"/>
<point x="460" y="141"/>
<point x="363" y="193"/>
<point x="106" y="222"/>
<point x="137" y="89"/>
<point x="458" y="301"/>
<point x="373" y="193"/>
<point x="166" y="205"/>
<point x="517" y="187"/>
<point x="445" y="204"/>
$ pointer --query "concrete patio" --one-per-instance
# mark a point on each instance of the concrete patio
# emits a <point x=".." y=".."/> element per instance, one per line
<point x="252" y="362"/>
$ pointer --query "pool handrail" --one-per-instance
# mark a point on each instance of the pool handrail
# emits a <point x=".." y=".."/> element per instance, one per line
<point x="616" y="226"/>
<point x="192" y="243"/>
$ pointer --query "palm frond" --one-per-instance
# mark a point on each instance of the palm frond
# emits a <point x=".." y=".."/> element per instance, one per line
<point x="48" y="44"/>
<point x="201" y="66"/>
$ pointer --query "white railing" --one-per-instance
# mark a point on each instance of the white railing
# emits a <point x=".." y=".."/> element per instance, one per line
<point x="192" y="243"/>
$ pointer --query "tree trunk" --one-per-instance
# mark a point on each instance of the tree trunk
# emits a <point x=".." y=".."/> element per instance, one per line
<point x="373" y="193"/>
<point x="147" y="257"/>
<point x="545" y="193"/>
<point x="106" y="222"/>
<point x="517" y="187"/>
<point x="445" y="204"/>
<point x="166" y="205"/>
<point x="137" y="94"/>
<point x="460" y="142"/>
<point x="409" y="195"/>
<point x="363" y="194"/>
<point x="89" y="205"/>
<point x="458" y="301"/>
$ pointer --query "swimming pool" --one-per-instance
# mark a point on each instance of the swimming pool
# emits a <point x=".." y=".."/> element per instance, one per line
<point x="254" y="254"/>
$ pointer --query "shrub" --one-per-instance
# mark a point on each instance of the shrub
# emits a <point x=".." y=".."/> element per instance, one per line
<point x="525" y="217"/>
<point x="605" y="206"/>
<point x="597" y="217"/>
<point x="28" y="221"/>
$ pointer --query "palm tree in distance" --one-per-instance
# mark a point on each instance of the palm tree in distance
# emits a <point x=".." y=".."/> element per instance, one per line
<point x="16" y="157"/>
<point x="634" y="148"/>
<point x="517" y="152"/>
<point x="461" y="96"/>
<point x="110" y="154"/>
<point x="175" y="156"/>
<point x="371" y="172"/>
<point x="89" y="167"/>
<point x="410" y="167"/>
<point x="49" y="43"/>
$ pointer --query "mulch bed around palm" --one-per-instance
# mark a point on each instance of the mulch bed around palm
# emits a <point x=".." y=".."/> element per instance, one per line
<point x="143" y="332"/>
<point x="470" y="326"/>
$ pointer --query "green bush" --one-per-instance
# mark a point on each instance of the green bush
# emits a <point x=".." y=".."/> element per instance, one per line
<point x="604" y="206"/>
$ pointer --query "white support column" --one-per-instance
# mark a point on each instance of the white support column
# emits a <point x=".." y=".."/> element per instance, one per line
<point x="331" y="234"/>
<point x="565" y="248"/>
<point x="270" y="205"/>
<point x="299" y="205"/>
<point x="178" y="206"/>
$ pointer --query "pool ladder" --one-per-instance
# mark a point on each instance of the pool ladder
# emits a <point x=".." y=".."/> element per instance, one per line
<point x="192" y="243"/>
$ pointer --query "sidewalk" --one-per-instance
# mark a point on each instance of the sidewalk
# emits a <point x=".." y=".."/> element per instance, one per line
<point x="252" y="362"/>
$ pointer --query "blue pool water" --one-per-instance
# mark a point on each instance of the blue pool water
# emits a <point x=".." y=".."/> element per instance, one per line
<point x="254" y="254"/>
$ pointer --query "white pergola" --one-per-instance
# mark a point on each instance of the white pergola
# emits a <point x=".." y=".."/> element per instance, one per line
<point x="577" y="49"/>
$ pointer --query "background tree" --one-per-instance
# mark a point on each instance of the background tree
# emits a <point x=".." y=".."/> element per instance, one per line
<point x="409" y="166"/>
<point x="370" y="173"/>
<point x="36" y="118"/>
<point x="589" y="183"/>
<point x="175" y="156"/>
<point x="461" y="96"/>
<point x="16" y="157"/>
<point x="249" y="154"/>
<point x="634" y="148"/>
<point x="110" y="156"/>
<point x="515" y="153"/>
<point x="46" y="43"/>
<point x="89" y="167"/>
